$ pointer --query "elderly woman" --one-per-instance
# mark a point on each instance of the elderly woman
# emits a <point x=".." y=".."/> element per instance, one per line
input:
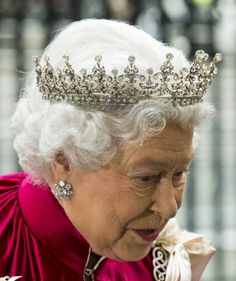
<point x="104" y="132"/>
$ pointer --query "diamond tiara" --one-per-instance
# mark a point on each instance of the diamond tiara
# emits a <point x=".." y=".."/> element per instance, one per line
<point x="100" y="90"/>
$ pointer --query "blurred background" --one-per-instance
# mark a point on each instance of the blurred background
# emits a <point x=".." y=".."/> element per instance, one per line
<point x="26" y="26"/>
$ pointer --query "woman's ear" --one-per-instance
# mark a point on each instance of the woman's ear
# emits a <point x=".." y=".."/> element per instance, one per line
<point x="60" y="167"/>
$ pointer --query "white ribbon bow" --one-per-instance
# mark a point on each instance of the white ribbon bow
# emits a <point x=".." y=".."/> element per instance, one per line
<point x="189" y="253"/>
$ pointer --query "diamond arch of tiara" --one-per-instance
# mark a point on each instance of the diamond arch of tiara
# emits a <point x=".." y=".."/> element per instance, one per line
<point x="100" y="90"/>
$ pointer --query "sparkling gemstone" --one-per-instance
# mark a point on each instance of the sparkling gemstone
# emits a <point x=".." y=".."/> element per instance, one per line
<point x="205" y="57"/>
<point x="169" y="56"/>
<point x="142" y="78"/>
<point x="61" y="183"/>
<point x="114" y="71"/>
<point x="215" y="71"/>
<point x="185" y="71"/>
<point x="163" y="86"/>
<point x="66" y="58"/>
<point x="176" y="77"/>
<point x="98" y="58"/>
<point x="35" y="59"/>
<point x="83" y="71"/>
<point x="156" y="75"/>
<point x="131" y="59"/>
<point x="200" y="53"/>
<point x="149" y="71"/>
<point x="218" y="57"/>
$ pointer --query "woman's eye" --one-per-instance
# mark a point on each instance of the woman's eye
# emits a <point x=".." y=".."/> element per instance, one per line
<point x="147" y="180"/>
<point x="180" y="176"/>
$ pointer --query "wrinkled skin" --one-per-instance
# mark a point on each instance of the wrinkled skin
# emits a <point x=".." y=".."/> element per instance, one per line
<point x="141" y="188"/>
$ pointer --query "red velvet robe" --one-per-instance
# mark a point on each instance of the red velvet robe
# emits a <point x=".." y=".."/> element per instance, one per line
<point x="39" y="243"/>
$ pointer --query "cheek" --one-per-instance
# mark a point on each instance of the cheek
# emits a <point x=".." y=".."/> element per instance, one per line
<point x="117" y="209"/>
<point x="99" y="222"/>
<point x="130" y="202"/>
<point x="179" y="193"/>
<point x="109" y="204"/>
<point x="104" y="204"/>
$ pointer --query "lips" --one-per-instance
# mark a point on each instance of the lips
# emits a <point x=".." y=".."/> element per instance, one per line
<point x="147" y="234"/>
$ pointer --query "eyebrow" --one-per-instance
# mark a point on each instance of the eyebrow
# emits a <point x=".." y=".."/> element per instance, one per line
<point x="154" y="164"/>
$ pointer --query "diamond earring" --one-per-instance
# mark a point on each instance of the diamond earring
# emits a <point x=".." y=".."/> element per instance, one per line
<point x="62" y="190"/>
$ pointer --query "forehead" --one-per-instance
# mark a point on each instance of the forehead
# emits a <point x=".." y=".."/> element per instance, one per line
<point x="173" y="144"/>
<point x="171" y="137"/>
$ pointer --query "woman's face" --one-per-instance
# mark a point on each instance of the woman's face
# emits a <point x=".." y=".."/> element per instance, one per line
<point x="121" y="208"/>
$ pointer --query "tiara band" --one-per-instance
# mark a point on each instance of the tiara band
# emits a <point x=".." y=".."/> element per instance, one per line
<point x="102" y="91"/>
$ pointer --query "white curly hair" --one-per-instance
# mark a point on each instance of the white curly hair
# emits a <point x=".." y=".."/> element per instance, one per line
<point x="89" y="138"/>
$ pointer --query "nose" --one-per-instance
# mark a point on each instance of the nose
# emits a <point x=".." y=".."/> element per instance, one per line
<point x="164" y="199"/>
